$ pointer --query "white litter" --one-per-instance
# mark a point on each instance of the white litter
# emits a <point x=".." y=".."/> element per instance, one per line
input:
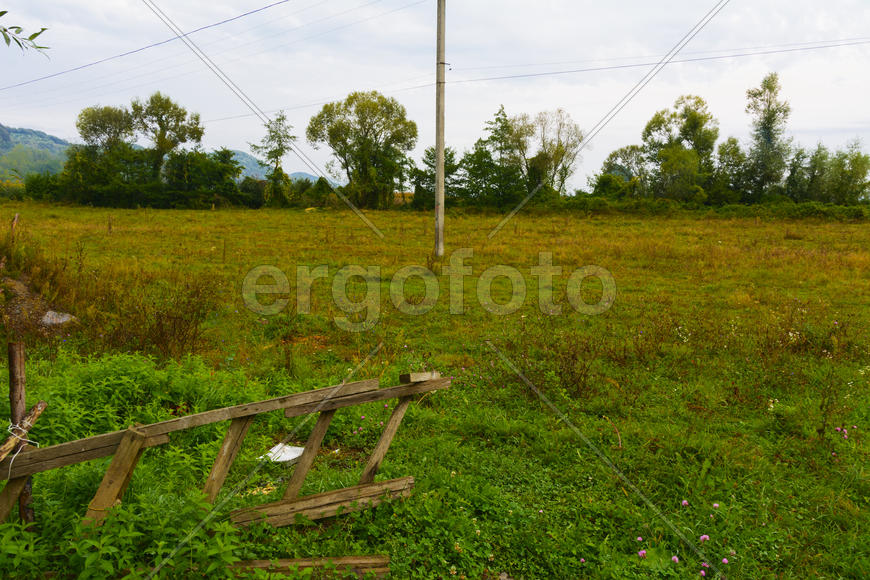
<point x="52" y="318"/>
<point x="284" y="453"/>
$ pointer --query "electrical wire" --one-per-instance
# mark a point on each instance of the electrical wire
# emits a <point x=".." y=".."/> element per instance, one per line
<point x="235" y="89"/>
<point x="144" y="48"/>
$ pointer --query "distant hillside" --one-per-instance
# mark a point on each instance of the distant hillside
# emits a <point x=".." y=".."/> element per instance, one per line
<point x="32" y="139"/>
<point x="24" y="151"/>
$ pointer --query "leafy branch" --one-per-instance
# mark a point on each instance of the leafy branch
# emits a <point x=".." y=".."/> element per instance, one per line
<point x="16" y="34"/>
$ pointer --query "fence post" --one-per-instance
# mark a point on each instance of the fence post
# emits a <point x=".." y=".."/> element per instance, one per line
<point x="18" y="409"/>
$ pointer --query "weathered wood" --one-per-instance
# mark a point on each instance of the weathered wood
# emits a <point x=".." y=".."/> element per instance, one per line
<point x="117" y="476"/>
<point x="9" y="496"/>
<point x="104" y="445"/>
<point x="17" y="410"/>
<point x="324" y="505"/>
<point x="31" y="461"/>
<point x="226" y="455"/>
<point x="368" y="397"/>
<point x="312" y="446"/>
<point x="23" y="428"/>
<point x="419" y="377"/>
<point x="383" y="445"/>
<point x="363" y="566"/>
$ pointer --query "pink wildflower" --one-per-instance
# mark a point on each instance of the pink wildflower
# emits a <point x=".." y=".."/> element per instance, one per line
<point x="642" y="553"/>
<point x="675" y="559"/>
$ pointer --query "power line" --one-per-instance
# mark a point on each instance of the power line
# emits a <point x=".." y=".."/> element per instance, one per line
<point x="563" y="72"/>
<point x="236" y="90"/>
<point x="810" y="44"/>
<point x="187" y="70"/>
<point x="646" y="64"/>
<point x="144" y="48"/>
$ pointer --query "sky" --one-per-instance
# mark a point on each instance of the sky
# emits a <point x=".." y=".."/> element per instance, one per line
<point x="297" y="55"/>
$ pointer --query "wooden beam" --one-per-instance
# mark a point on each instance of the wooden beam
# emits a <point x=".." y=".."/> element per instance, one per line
<point x="23" y="428"/>
<point x="324" y="505"/>
<point x="374" y="462"/>
<point x="312" y="446"/>
<point x="362" y="566"/>
<point x="419" y="377"/>
<point x="32" y="461"/>
<point x="46" y="458"/>
<point x="368" y="397"/>
<point x="226" y="455"/>
<point x="9" y="496"/>
<point x="117" y="476"/>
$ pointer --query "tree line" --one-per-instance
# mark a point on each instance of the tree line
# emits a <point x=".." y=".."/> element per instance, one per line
<point x="524" y="156"/>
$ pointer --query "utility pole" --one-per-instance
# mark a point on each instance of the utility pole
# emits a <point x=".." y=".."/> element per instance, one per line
<point x="439" y="131"/>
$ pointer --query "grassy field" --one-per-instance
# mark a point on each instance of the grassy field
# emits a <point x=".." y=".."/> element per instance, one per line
<point x="734" y="354"/>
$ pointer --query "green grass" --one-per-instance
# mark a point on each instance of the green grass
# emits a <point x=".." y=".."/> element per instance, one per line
<point x="732" y="351"/>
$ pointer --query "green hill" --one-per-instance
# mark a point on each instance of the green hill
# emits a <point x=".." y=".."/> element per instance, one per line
<point x="24" y="151"/>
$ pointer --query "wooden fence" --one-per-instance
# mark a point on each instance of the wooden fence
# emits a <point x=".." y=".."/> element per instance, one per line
<point x="127" y="447"/>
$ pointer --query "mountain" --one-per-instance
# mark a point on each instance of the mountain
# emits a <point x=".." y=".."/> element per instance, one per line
<point x="250" y="166"/>
<point x="24" y="151"/>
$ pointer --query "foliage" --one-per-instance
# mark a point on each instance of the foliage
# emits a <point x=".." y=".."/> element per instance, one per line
<point x="105" y="127"/>
<point x="277" y="142"/>
<point x="166" y="124"/>
<point x="15" y="34"/>
<point x="370" y="136"/>
<point x="424" y="180"/>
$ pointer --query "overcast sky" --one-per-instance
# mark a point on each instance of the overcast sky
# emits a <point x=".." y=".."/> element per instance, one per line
<point x="297" y="55"/>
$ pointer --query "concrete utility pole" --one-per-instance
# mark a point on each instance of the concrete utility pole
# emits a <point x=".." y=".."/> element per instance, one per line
<point x="439" y="132"/>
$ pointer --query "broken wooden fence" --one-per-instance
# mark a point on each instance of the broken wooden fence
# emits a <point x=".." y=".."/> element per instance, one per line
<point x="127" y="447"/>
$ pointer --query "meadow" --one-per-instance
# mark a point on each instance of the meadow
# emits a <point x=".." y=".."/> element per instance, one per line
<point x="722" y="398"/>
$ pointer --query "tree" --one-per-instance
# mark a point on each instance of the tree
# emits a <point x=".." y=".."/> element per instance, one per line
<point x="15" y="34"/>
<point x="370" y="137"/>
<point x="277" y="142"/>
<point x="166" y="124"/>
<point x="730" y="178"/>
<point x="679" y="146"/>
<point x="770" y="150"/>
<point x="424" y="180"/>
<point x="847" y="175"/>
<point x="105" y="127"/>
<point x="629" y="163"/>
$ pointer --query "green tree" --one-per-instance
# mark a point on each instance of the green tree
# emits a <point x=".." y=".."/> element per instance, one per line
<point x="15" y="34"/>
<point x="370" y="137"/>
<point x="166" y="124"/>
<point x="847" y="176"/>
<point x="679" y="145"/>
<point x="769" y="151"/>
<point x="629" y="163"/>
<point x="277" y="142"/>
<point x="105" y="127"/>
<point x="730" y="179"/>
<point x="424" y="180"/>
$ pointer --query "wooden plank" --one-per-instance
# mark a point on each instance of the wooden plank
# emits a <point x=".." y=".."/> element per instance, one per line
<point x="9" y="496"/>
<point x="383" y="445"/>
<point x="226" y="455"/>
<point x="23" y="428"/>
<point x="104" y="445"/>
<point x="368" y="397"/>
<point x="117" y="476"/>
<point x="37" y="460"/>
<point x="363" y="566"/>
<point x="312" y="446"/>
<point x="419" y="377"/>
<point x="324" y="505"/>
<point x="227" y="413"/>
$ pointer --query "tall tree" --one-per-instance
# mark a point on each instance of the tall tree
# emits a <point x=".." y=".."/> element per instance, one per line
<point x="769" y="151"/>
<point x="277" y="142"/>
<point x="105" y="127"/>
<point x="679" y="145"/>
<point x="424" y="179"/>
<point x="166" y="124"/>
<point x="370" y="137"/>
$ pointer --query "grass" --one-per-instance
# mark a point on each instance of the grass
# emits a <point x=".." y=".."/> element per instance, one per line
<point x="733" y="351"/>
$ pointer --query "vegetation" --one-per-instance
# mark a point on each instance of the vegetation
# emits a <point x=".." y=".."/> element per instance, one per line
<point x="731" y="371"/>
<point x="16" y="35"/>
